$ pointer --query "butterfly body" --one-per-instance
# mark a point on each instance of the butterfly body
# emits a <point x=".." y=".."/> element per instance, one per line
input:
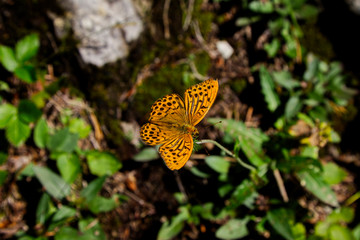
<point x="172" y="122"/>
<point x="190" y="129"/>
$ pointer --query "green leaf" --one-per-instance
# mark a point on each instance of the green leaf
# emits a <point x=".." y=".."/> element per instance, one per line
<point x="169" y="230"/>
<point x="52" y="182"/>
<point x="356" y="232"/>
<point x="147" y="154"/>
<point x="341" y="215"/>
<point x="333" y="174"/>
<point x="63" y="213"/>
<point x="27" y="47"/>
<point x="198" y="173"/>
<point x="312" y="67"/>
<point x="245" y="193"/>
<point x="233" y="229"/>
<point x="17" y="132"/>
<point x="43" y="208"/>
<point x="63" y="141"/>
<point x="7" y="58"/>
<point x="268" y="89"/>
<point x="280" y="221"/>
<point x="225" y="189"/>
<point x="272" y="48"/>
<point x="7" y="111"/>
<point x="291" y="48"/>
<point x="90" y="230"/>
<point x="249" y="139"/>
<point x="244" y="21"/>
<point x="69" y="233"/>
<point x="284" y="79"/>
<point x="299" y="231"/>
<point x="218" y="164"/>
<point x="337" y="232"/>
<point x="251" y="152"/>
<point x="293" y="106"/>
<point x="40" y="98"/>
<point x="79" y="126"/>
<point x="100" y="204"/>
<point x="27" y="73"/>
<point x="204" y="210"/>
<point x="92" y="189"/>
<point x="69" y="166"/>
<point x="41" y="133"/>
<point x="28" y="171"/>
<point x="261" y="7"/>
<point x="102" y="163"/>
<point x="4" y="86"/>
<point x="315" y="184"/>
<point x="28" y="112"/>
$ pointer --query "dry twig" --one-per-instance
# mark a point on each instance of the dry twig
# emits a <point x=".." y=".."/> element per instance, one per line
<point x="281" y="185"/>
<point x="166" y="19"/>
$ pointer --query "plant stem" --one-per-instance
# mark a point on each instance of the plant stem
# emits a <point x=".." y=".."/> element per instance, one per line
<point x="245" y="165"/>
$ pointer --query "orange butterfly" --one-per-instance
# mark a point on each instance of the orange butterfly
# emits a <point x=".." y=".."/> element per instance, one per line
<point x="172" y="122"/>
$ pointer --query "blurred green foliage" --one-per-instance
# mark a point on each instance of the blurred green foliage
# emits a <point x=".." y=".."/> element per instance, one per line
<point x="23" y="120"/>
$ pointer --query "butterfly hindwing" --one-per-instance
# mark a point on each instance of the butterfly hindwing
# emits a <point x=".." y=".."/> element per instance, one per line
<point x="198" y="100"/>
<point x="176" y="152"/>
<point x="154" y="134"/>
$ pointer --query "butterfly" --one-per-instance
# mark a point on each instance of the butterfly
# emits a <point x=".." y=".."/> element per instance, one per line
<point x="172" y="122"/>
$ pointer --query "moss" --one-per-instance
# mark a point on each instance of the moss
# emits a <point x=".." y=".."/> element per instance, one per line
<point x="205" y="19"/>
<point x="311" y="39"/>
<point x="167" y="80"/>
<point x="238" y="85"/>
<point x="117" y="135"/>
<point x="202" y="62"/>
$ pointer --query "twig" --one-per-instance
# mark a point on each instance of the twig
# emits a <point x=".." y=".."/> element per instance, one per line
<point x="135" y="198"/>
<point x="245" y="165"/>
<point x="166" y="19"/>
<point x="188" y="15"/>
<point x="195" y="72"/>
<point x="281" y="185"/>
<point x="181" y="186"/>
<point x="201" y="40"/>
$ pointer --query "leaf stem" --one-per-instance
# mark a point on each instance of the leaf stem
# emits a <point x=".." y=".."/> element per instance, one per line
<point x="245" y="165"/>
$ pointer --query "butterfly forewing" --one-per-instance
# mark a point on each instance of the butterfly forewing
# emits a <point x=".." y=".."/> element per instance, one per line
<point x="198" y="100"/>
<point x="169" y="109"/>
<point x="176" y="152"/>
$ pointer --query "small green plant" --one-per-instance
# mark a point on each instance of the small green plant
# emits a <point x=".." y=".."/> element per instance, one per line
<point x="284" y="27"/>
<point x="60" y="143"/>
<point x="18" y="60"/>
<point x="335" y="225"/>
<point x="321" y="91"/>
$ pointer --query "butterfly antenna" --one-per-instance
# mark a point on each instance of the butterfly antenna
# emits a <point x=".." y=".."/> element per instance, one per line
<point x="213" y="124"/>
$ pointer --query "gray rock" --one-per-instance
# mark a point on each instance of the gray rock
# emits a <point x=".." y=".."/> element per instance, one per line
<point x="354" y="5"/>
<point x="103" y="27"/>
